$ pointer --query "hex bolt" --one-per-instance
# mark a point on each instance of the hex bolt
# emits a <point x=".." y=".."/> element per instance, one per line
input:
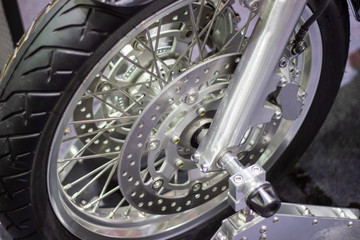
<point x="191" y="98"/>
<point x="175" y="139"/>
<point x="67" y="132"/>
<point x="157" y="184"/>
<point x="283" y="63"/>
<point x="204" y="167"/>
<point x="153" y="144"/>
<point x="187" y="32"/>
<point x="179" y="163"/>
<point x="195" y="157"/>
<point x="201" y="111"/>
<point x="238" y="178"/>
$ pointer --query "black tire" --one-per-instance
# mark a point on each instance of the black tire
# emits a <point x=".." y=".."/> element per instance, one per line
<point x="52" y="60"/>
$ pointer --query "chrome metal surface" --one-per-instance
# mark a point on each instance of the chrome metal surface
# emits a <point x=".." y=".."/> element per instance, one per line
<point x="82" y="184"/>
<point x="294" y="221"/>
<point x="125" y="3"/>
<point x="243" y="104"/>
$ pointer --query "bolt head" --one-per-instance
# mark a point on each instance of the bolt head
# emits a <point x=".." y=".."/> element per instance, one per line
<point x="179" y="163"/>
<point x="255" y="169"/>
<point x="282" y="63"/>
<point x="153" y="144"/>
<point x="201" y="111"/>
<point x="275" y="220"/>
<point x="191" y="98"/>
<point x="238" y="178"/>
<point x="204" y="168"/>
<point x="175" y="139"/>
<point x="157" y="184"/>
<point x="350" y="224"/>
<point x="254" y="6"/>
<point x="195" y="157"/>
<point x="315" y="222"/>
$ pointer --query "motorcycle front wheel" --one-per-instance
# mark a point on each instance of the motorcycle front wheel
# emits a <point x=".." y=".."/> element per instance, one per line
<point x="85" y="75"/>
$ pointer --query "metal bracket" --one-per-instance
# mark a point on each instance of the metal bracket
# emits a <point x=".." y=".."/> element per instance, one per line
<point x="293" y="221"/>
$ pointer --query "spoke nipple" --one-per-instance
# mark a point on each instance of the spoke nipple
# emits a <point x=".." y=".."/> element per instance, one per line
<point x="67" y="132"/>
<point x="175" y="139"/>
<point x="201" y="111"/>
<point x="179" y="163"/>
<point x="195" y="157"/>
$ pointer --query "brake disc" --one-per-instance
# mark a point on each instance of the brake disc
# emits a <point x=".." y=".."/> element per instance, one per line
<point x="148" y="186"/>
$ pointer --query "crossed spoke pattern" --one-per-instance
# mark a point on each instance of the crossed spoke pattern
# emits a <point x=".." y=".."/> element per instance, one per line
<point x="143" y="67"/>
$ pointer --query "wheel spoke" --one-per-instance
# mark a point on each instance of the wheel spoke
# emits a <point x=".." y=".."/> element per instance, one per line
<point x="70" y="185"/>
<point x="141" y="67"/>
<point x="196" y="36"/>
<point x="87" y="206"/>
<point x="120" y="89"/>
<point x="210" y="27"/>
<point x="90" y="157"/>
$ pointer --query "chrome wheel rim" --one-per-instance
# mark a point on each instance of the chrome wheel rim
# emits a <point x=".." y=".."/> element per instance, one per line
<point x="108" y="221"/>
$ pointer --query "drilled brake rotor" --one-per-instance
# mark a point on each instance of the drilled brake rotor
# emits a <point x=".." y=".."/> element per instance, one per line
<point x="142" y="191"/>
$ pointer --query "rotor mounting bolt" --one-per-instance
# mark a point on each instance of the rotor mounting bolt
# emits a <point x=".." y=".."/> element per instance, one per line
<point x="350" y="224"/>
<point x="191" y="98"/>
<point x="179" y="163"/>
<point x="263" y="236"/>
<point x="195" y="157"/>
<point x="175" y="139"/>
<point x="238" y="178"/>
<point x="204" y="167"/>
<point x="201" y="111"/>
<point x="283" y="63"/>
<point x="153" y="144"/>
<point x="157" y="184"/>
<point x="315" y="222"/>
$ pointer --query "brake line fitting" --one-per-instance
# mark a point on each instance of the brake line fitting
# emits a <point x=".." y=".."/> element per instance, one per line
<point x="248" y="187"/>
<point x="299" y="45"/>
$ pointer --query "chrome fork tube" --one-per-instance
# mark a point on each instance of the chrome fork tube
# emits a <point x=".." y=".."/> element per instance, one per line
<point x="243" y="103"/>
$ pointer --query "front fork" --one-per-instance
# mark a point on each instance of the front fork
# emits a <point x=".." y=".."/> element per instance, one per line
<point x="243" y="105"/>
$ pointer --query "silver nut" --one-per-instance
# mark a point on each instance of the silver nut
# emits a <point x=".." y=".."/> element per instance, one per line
<point x="191" y="98"/>
<point x="283" y="63"/>
<point x="204" y="168"/>
<point x="195" y="157"/>
<point x="175" y="139"/>
<point x="201" y="111"/>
